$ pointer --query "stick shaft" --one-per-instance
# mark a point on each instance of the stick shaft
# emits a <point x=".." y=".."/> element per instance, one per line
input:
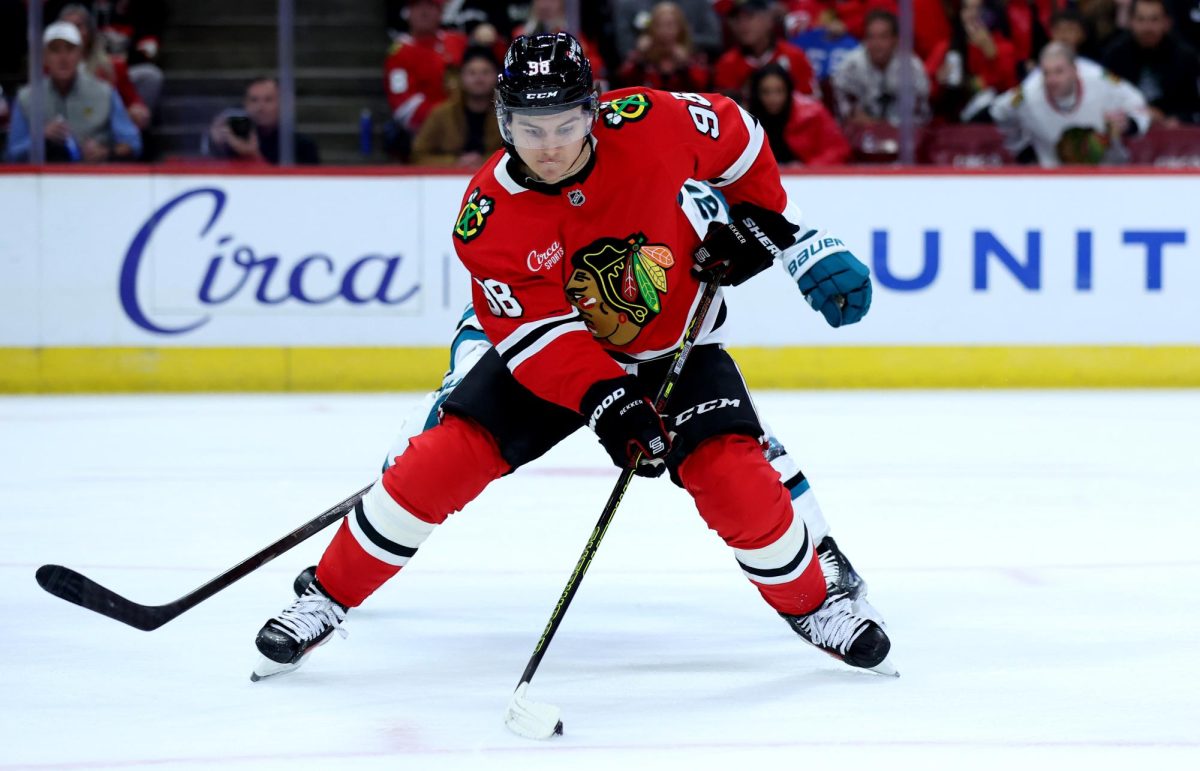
<point x="618" y="492"/>
<point x="72" y="586"/>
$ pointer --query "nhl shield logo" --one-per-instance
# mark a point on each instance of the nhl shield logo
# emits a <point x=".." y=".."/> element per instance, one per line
<point x="576" y="197"/>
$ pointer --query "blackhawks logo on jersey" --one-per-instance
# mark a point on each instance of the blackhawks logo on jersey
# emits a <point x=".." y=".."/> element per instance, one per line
<point x="627" y="109"/>
<point x="617" y="284"/>
<point x="473" y="216"/>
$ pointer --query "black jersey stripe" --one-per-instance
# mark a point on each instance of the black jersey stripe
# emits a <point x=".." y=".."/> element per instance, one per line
<point x="378" y="538"/>
<point x="801" y="555"/>
<point x="536" y="334"/>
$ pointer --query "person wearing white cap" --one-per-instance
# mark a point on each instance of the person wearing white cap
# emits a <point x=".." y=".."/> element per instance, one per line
<point x="85" y="118"/>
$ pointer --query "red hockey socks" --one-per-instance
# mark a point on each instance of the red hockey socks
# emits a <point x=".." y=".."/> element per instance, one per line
<point x="740" y="496"/>
<point x="442" y="471"/>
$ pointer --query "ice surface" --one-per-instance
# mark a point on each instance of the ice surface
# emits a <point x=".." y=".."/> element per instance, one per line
<point x="1033" y="552"/>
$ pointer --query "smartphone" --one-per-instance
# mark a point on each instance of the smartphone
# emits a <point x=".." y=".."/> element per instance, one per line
<point x="240" y="126"/>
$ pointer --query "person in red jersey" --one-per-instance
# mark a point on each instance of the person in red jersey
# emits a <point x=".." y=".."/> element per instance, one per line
<point x="414" y="73"/>
<point x="589" y="270"/>
<point x="756" y="34"/>
<point x="799" y="128"/>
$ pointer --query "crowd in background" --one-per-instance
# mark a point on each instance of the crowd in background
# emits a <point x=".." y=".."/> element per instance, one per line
<point x="990" y="81"/>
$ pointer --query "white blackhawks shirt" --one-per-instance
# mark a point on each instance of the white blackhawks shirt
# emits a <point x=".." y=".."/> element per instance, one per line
<point x="1029" y="116"/>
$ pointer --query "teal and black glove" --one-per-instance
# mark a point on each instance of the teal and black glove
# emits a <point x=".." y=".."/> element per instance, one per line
<point x="839" y="286"/>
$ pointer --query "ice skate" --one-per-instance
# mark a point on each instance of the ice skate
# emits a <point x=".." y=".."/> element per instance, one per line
<point x="306" y="577"/>
<point x="846" y="630"/>
<point x="286" y="640"/>
<point x="840" y="575"/>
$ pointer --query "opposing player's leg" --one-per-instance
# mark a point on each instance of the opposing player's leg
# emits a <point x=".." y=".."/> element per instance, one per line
<point x="840" y="575"/>
<point x="466" y="349"/>
<point x="718" y="458"/>
<point x="491" y="425"/>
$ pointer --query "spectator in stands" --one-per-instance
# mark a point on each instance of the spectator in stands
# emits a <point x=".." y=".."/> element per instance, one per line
<point x="1026" y="24"/>
<point x="931" y="21"/>
<point x="799" y="128"/>
<point x="1067" y="26"/>
<point x="1070" y="111"/>
<point x="975" y="65"/>
<point x="85" y="118"/>
<point x="867" y="84"/>
<point x="757" y="43"/>
<point x="547" y="17"/>
<point x="416" y="70"/>
<point x="501" y="17"/>
<point x="1102" y="20"/>
<point x="251" y="134"/>
<point x="1164" y="69"/>
<point x="112" y="71"/>
<point x="132" y="30"/>
<point x="665" y="57"/>
<point x="633" y="19"/>
<point x="462" y="131"/>
<point x="822" y="35"/>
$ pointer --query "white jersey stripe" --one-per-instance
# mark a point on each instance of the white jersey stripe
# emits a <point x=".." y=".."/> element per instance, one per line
<point x="748" y="156"/>
<point x="780" y="554"/>
<point x="392" y="522"/>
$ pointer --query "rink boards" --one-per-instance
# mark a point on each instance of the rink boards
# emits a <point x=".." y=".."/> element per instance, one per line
<point x="187" y="280"/>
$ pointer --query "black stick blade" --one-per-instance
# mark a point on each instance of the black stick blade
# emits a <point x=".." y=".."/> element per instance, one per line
<point x="77" y="588"/>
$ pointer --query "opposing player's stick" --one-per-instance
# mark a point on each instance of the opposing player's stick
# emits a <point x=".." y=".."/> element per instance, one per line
<point x="537" y="720"/>
<point x="86" y="593"/>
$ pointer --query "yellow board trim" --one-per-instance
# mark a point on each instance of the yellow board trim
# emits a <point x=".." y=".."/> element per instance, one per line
<point x="105" y="370"/>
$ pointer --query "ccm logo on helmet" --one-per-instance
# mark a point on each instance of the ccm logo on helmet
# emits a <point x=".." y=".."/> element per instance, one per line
<point x="544" y="94"/>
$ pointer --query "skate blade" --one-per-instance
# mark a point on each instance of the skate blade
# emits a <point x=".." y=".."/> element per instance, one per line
<point x="266" y="668"/>
<point x="885" y="668"/>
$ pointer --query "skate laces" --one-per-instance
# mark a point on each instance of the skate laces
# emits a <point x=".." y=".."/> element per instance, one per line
<point x="834" y="624"/>
<point x="831" y="566"/>
<point x="310" y="615"/>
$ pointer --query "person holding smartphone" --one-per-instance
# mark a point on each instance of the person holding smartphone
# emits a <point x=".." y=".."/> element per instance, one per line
<point x="251" y="133"/>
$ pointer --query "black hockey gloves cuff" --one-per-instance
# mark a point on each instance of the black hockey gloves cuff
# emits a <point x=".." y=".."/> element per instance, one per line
<point x="622" y="416"/>
<point x="753" y="238"/>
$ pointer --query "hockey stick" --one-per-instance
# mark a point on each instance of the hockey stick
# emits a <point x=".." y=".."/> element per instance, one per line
<point x="537" y="720"/>
<point x="75" y="587"/>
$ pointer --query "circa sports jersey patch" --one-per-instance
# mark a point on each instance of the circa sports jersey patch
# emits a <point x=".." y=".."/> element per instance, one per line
<point x="617" y="284"/>
<point x="473" y="216"/>
<point x="627" y="109"/>
<point x="545" y="259"/>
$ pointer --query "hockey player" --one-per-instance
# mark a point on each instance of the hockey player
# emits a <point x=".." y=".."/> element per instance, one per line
<point x="1070" y="110"/>
<point x="581" y="254"/>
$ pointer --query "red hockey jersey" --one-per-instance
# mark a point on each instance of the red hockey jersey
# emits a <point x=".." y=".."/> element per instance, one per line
<point x="415" y="74"/>
<point x="569" y="278"/>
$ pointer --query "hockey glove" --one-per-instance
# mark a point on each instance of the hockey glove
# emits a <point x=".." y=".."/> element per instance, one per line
<point x="839" y="286"/>
<point x="622" y="416"/>
<point x="753" y="238"/>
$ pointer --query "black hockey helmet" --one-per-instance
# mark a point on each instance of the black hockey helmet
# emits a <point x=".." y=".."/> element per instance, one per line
<point x="545" y="75"/>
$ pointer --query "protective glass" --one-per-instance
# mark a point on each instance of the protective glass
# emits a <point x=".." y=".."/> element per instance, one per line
<point x="545" y="128"/>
